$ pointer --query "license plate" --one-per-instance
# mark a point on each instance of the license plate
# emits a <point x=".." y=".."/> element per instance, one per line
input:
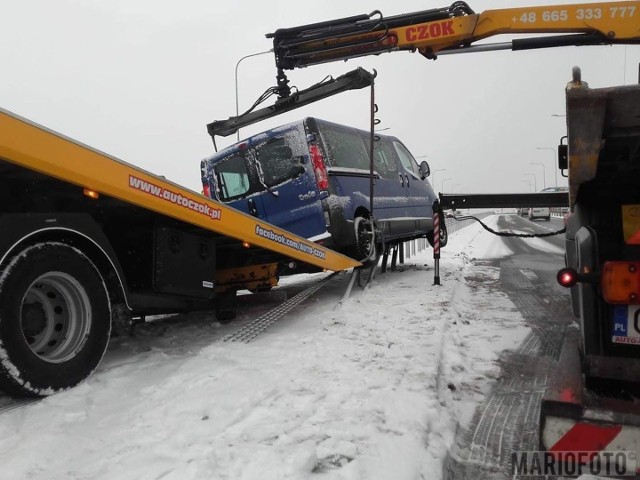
<point x="626" y="324"/>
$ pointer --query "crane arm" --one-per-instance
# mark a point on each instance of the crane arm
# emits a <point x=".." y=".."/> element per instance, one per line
<point x="432" y="32"/>
<point x="454" y="29"/>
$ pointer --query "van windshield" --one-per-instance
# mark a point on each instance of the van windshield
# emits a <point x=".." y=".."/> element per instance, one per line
<point x="232" y="178"/>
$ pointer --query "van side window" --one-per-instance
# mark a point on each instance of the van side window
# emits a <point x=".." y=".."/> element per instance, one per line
<point x="232" y="178"/>
<point x="345" y="147"/>
<point x="407" y="159"/>
<point x="384" y="161"/>
<point x="277" y="162"/>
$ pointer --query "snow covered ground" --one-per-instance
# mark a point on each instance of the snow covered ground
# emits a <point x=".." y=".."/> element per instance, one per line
<point x="372" y="389"/>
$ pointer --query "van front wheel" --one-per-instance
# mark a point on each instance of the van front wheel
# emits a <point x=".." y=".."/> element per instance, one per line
<point x="365" y="246"/>
<point x="444" y="236"/>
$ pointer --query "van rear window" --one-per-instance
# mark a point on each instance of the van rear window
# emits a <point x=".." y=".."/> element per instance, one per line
<point x="344" y="146"/>
<point x="277" y="162"/>
<point x="232" y="178"/>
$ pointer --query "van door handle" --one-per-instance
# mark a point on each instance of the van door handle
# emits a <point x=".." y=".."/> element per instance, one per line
<point x="401" y="179"/>
<point x="407" y="179"/>
<point x="253" y="211"/>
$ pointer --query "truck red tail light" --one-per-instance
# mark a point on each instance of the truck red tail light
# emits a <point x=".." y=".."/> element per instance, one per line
<point x="319" y="168"/>
<point x="206" y="190"/>
<point x="567" y="277"/>
<point x="620" y="282"/>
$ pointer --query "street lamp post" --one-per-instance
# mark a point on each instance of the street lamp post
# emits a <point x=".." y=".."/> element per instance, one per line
<point x="553" y="161"/>
<point x="236" y="80"/>
<point x="528" y="182"/>
<point x="535" y="185"/>
<point x="442" y="184"/>
<point x="544" y="173"/>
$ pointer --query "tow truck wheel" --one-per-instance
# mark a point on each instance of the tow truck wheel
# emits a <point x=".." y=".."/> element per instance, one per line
<point x="365" y="248"/>
<point x="55" y="320"/>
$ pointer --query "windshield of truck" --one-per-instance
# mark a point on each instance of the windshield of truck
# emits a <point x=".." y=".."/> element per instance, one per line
<point x="232" y="178"/>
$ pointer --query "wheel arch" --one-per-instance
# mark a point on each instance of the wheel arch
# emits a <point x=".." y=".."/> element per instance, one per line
<point x="97" y="252"/>
<point x="58" y="350"/>
<point x="361" y="212"/>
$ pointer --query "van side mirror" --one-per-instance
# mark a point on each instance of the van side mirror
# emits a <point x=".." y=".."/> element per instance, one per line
<point x="425" y="171"/>
<point x="563" y="160"/>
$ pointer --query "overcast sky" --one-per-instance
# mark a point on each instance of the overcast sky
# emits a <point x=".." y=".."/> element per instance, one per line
<point x="140" y="79"/>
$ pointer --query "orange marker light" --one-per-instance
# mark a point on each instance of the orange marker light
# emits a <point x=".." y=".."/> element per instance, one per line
<point x="621" y="282"/>
<point x="91" y="193"/>
<point x="246" y="245"/>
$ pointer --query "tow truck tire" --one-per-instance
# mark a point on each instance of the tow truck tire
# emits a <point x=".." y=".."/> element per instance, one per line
<point x="55" y="319"/>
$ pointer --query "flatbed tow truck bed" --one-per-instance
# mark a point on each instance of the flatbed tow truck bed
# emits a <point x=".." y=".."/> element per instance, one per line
<point x="89" y="242"/>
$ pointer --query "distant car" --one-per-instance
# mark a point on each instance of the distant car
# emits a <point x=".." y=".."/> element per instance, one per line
<point x="540" y="212"/>
<point x="561" y="211"/>
<point x="545" y="212"/>
<point x="312" y="177"/>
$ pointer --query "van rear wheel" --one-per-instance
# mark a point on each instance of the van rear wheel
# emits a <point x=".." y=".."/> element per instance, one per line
<point x="365" y="247"/>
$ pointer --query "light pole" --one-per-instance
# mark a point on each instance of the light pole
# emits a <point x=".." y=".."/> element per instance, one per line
<point x="528" y="182"/>
<point x="236" y="80"/>
<point x="544" y="173"/>
<point x="442" y="184"/>
<point x="553" y="161"/>
<point x="535" y="185"/>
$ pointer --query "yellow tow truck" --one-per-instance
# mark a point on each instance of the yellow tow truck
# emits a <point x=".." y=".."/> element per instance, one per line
<point x="89" y="241"/>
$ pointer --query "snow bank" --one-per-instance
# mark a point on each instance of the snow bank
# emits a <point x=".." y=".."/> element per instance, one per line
<point x="370" y="390"/>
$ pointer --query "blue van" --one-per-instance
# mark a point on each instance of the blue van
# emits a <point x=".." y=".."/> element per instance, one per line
<point x="312" y="177"/>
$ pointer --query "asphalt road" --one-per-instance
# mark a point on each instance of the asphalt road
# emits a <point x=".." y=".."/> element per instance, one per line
<point x="507" y="420"/>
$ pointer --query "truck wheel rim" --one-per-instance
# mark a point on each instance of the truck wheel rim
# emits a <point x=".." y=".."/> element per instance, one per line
<point x="55" y="317"/>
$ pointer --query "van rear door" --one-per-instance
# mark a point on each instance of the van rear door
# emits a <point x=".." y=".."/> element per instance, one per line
<point x="290" y="195"/>
<point x="235" y="182"/>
